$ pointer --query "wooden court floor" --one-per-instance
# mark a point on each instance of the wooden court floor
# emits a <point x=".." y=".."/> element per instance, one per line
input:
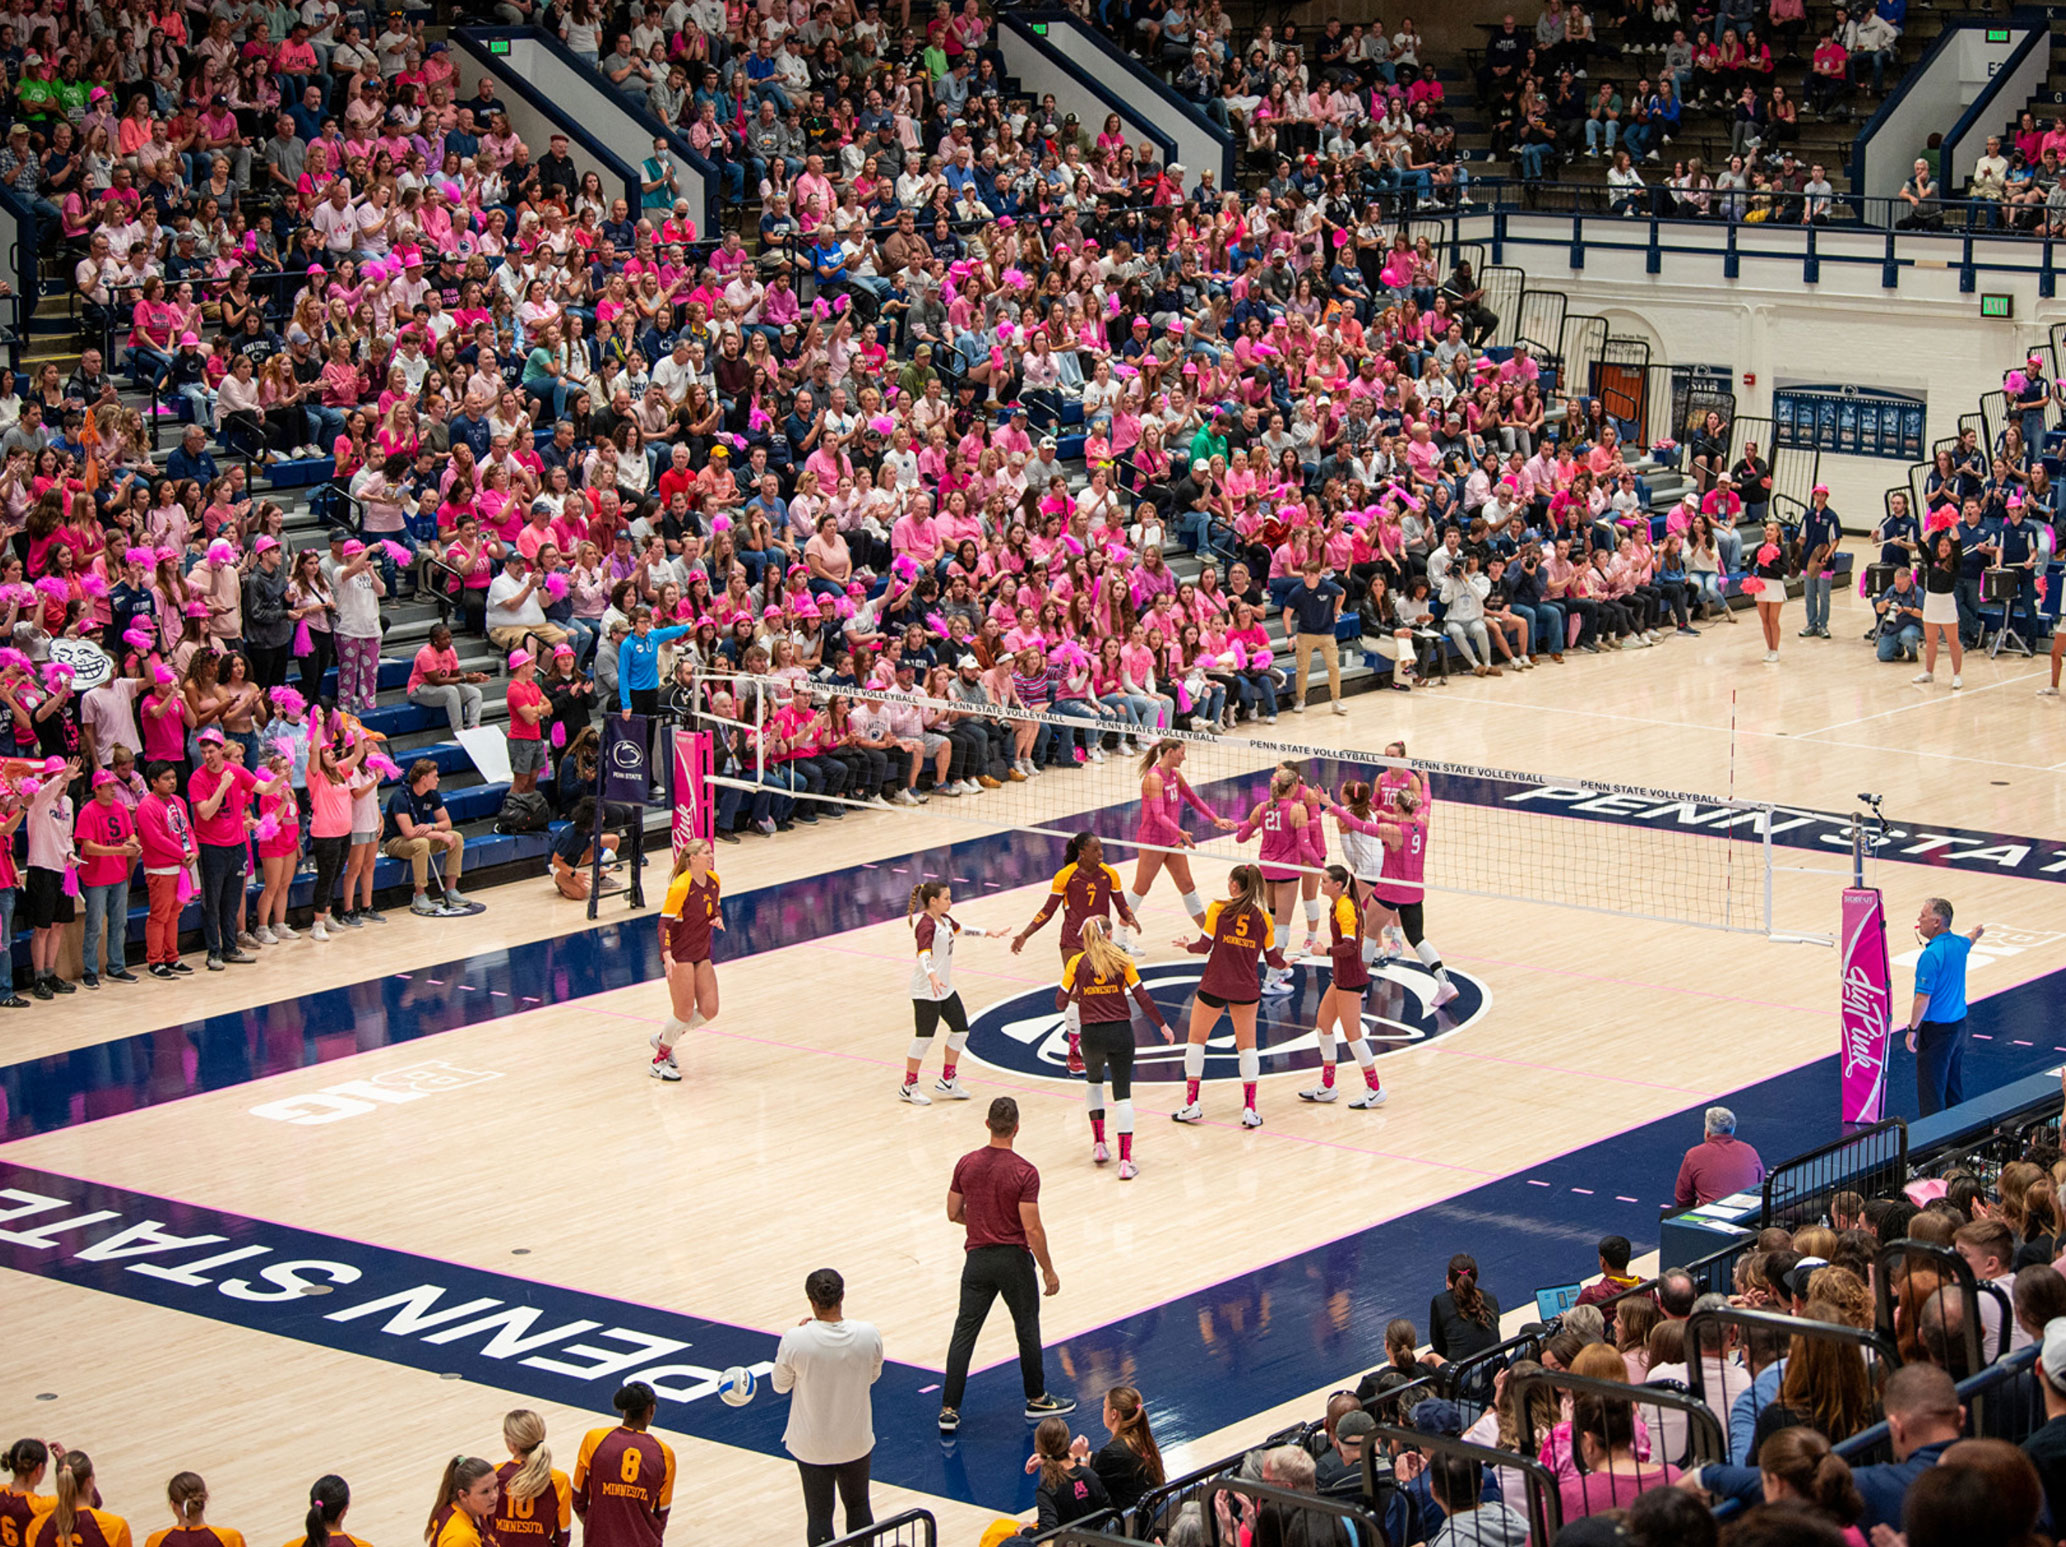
<point x="784" y="1147"/>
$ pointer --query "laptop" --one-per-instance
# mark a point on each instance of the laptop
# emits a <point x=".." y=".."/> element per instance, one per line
<point x="1552" y="1303"/>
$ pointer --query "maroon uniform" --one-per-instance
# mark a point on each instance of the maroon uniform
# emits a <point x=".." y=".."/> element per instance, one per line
<point x="1345" y="920"/>
<point x="1234" y="937"/>
<point x="687" y="916"/>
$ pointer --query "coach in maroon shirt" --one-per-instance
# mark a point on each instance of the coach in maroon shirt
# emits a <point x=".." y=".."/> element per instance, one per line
<point x="1720" y="1166"/>
<point x="996" y="1195"/>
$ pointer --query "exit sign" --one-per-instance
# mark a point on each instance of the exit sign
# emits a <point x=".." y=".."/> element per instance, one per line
<point x="2002" y="306"/>
<point x="1997" y="34"/>
<point x="498" y="45"/>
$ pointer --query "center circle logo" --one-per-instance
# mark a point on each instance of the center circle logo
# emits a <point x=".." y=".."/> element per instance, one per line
<point x="1024" y="1033"/>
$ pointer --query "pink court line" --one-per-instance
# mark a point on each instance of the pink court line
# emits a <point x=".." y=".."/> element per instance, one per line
<point x="1533" y="1183"/>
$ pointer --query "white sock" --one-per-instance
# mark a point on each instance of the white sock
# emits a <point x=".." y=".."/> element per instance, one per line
<point x="920" y="1046"/>
<point x="1312" y="914"/>
<point x="1432" y="960"/>
<point x="1122" y="1116"/>
<point x="1133" y="905"/>
<point x="1251" y="1065"/>
<point x="697" y="1018"/>
<point x="1094" y="1100"/>
<point x="1327" y="1047"/>
<point x="1369" y="950"/>
<point x="1072" y="1018"/>
<point x="1365" y="1054"/>
<point x="1284" y="939"/>
<point x="956" y="1041"/>
<point x="1194" y="1060"/>
<point x="671" y="1033"/>
<point x="1194" y="905"/>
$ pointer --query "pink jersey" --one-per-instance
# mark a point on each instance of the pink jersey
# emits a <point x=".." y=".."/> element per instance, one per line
<point x="1284" y="845"/>
<point x="1406" y="865"/>
<point x="1390" y="782"/>
<point x="1162" y="820"/>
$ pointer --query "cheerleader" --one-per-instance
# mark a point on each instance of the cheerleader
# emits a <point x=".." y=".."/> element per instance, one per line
<point x="1164" y="794"/>
<point x="934" y="998"/>
<point x="687" y="919"/>
<point x="1281" y="819"/>
<point x="465" y="1504"/>
<point x="1399" y="894"/>
<point x="70" y="1520"/>
<point x="188" y="1496"/>
<point x="1237" y="931"/>
<point x="1341" y="1006"/>
<point x="536" y="1508"/>
<point x="1097" y="982"/>
<point x="1084" y="888"/>
<point x="328" y="1499"/>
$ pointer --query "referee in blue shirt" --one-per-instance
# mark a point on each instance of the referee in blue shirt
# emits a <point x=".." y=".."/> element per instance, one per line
<point x="1937" y="1019"/>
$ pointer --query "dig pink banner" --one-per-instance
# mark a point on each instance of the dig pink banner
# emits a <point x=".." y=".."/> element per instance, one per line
<point x="693" y="814"/>
<point x="1867" y="1004"/>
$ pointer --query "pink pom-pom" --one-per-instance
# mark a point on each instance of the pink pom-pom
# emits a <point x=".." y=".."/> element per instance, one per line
<point x="93" y="584"/>
<point x="936" y="624"/>
<point x="138" y="638"/>
<point x="12" y="659"/>
<point x="882" y="424"/>
<point x="1014" y="277"/>
<point x="268" y="827"/>
<point x="1006" y="330"/>
<point x="719" y="524"/>
<point x="288" y="704"/>
<point x="820" y="310"/>
<point x="1768" y="553"/>
<point x="1126" y="372"/>
<point x="56" y="675"/>
<point x="757" y="420"/>
<point x="30" y="787"/>
<point x="54" y="588"/>
<point x="904" y="567"/>
<point x="2017" y="383"/>
<point x="1112" y="306"/>
<point x="396" y="551"/>
<point x="996" y="359"/>
<point x="141" y="556"/>
<point x="1750" y="587"/>
<point x="1341" y="238"/>
<point x="840" y="303"/>
<point x="222" y="551"/>
<point x="383" y="765"/>
<point x="164" y="675"/>
<point x="556" y="586"/>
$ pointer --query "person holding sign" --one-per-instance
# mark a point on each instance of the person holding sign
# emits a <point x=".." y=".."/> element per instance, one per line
<point x="1937" y="1019"/>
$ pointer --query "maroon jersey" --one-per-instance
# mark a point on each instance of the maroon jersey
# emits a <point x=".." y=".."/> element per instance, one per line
<point x="1234" y="937"/>
<point x="687" y="915"/>
<point x="1345" y="924"/>
<point x="623" y="1488"/>
<point x="1083" y="892"/>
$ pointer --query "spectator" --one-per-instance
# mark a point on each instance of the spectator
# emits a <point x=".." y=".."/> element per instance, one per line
<point x="1982" y="1493"/>
<point x="829" y="1363"/>
<point x="1463" y="1320"/>
<point x="1615" y="1279"/>
<point x="418" y="828"/>
<point x="1718" y="1167"/>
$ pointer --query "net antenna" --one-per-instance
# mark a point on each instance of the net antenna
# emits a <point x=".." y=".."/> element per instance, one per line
<point x="1627" y="850"/>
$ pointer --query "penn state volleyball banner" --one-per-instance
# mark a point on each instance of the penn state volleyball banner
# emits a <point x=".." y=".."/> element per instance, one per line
<point x="1867" y="1005"/>
<point x="693" y="817"/>
<point x="625" y="778"/>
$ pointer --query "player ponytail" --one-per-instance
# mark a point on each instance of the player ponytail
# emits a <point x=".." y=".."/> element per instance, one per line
<point x="73" y="1486"/>
<point x="1051" y="1450"/>
<point x="1407" y="801"/>
<point x="689" y="851"/>
<point x="523" y="1431"/>
<point x="328" y="1498"/>
<point x="1155" y="754"/>
<point x="1074" y="852"/>
<point x="1248" y="888"/>
<point x="635" y="1401"/>
<point x="1132" y="1430"/>
<point x="1339" y="875"/>
<point x="1401" y="1341"/>
<point x="1105" y="958"/>
<point x="1356" y="796"/>
<point x="1283" y="781"/>
<point x="24" y="1459"/>
<point x="1463" y="1288"/>
<point x="922" y="894"/>
<point x="188" y="1496"/>
<point x="461" y="1474"/>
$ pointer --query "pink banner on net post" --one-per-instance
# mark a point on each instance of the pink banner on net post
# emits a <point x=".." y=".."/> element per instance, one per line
<point x="1867" y="1005"/>
<point x="695" y="815"/>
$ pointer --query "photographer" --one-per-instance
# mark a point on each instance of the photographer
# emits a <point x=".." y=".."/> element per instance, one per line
<point x="1900" y="610"/>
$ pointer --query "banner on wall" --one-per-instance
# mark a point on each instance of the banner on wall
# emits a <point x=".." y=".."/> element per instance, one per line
<point x="1850" y="421"/>
<point x="1867" y="1005"/>
<point x="693" y="816"/>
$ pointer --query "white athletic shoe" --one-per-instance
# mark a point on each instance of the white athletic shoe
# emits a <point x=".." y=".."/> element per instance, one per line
<point x="951" y="1090"/>
<point x="1369" y="1099"/>
<point x="1771" y="657"/>
<point x="1320" y="1093"/>
<point x="2047" y="692"/>
<point x="316" y="930"/>
<point x="1097" y="754"/>
<point x="266" y="936"/>
<point x="282" y="932"/>
<point x="1128" y="1170"/>
<point x="879" y="800"/>
<point x="970" y="787"/>
<point x="1251" y="1118"/>
<point x="1099" y="1155"/>
<point x="1924" y="676"/>
<point x="660" y="1050"/>
<point x="1312" y="945"/>
<point x="1444" y="992"/>
<point x="949" y="788"/>
<point x="910" y="1092"/>
<point x="1189" y="1112"/>
<point x="661" y="1069"/>
<point x="1957" y="681"/>
<point x="907" y="797"/>
<point x="1276" y="983"/>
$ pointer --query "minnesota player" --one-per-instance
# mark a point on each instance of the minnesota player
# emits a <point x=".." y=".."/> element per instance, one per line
<point x="1281" y="818"/>
<point x="1341" y="1007"/>
<point x="329" y="1496"/>
<point x="687" y="918"/>
<point x="537" y="1504"/>
<point x="934" y="998"/>
<point x="188" y="1496"/>
<point x="1237" y="931"/>
<point x="624" y="1477"/>
<point x="70" y="1520"/>
<point x="26" y="1462"/>
<point x="1084" y="888"/>
<point x="1398" y="896"/>
<point x="1098" y="981"/>
<point x="465" y="1506"/>
<point x="1164" y="794"/>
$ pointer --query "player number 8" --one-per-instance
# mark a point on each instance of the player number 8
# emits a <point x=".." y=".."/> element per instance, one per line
<point x="630" y="1468"/>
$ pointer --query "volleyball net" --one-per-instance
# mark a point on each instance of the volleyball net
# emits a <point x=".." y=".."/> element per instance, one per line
<point x="1578" y="843"/>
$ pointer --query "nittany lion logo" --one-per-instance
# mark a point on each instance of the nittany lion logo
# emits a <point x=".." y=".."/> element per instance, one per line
<point x="1024" y="1033"/>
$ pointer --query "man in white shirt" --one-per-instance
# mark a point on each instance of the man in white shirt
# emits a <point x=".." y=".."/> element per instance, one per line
<point x="335" y="221"/>
<point x="674" y="374"/>
<point x="514" y="610"/>
<point x="830" y="1363"/>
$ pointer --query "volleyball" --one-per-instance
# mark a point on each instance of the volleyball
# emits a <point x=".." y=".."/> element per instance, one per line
<point x="736" y="1386"/>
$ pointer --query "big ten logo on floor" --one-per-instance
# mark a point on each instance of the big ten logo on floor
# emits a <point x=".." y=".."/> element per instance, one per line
<point x="356" y="1098"/>
<point x="1025" y="1035"/>
<point x="1999" y="943"/>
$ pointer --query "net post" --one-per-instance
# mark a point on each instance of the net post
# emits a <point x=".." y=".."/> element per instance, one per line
<point x="1771" y="918"/>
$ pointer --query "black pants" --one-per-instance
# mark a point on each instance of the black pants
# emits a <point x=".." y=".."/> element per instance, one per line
<point x="1940" y="1060"/>
<point x="322" y="655"/>
<point x="986" y="1273"/>
<point x="851" y="1479"/>
<point x="331" y="854"/>
<point x="1108" y="1049"/>
<point x="268" y="665"/>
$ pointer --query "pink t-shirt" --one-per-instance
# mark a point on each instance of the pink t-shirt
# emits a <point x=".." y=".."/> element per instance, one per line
<point x="226" y="827"/>
<point x="330" y="805"/>
<point x="429" y="660"/>
<point x="109" y="824"/>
